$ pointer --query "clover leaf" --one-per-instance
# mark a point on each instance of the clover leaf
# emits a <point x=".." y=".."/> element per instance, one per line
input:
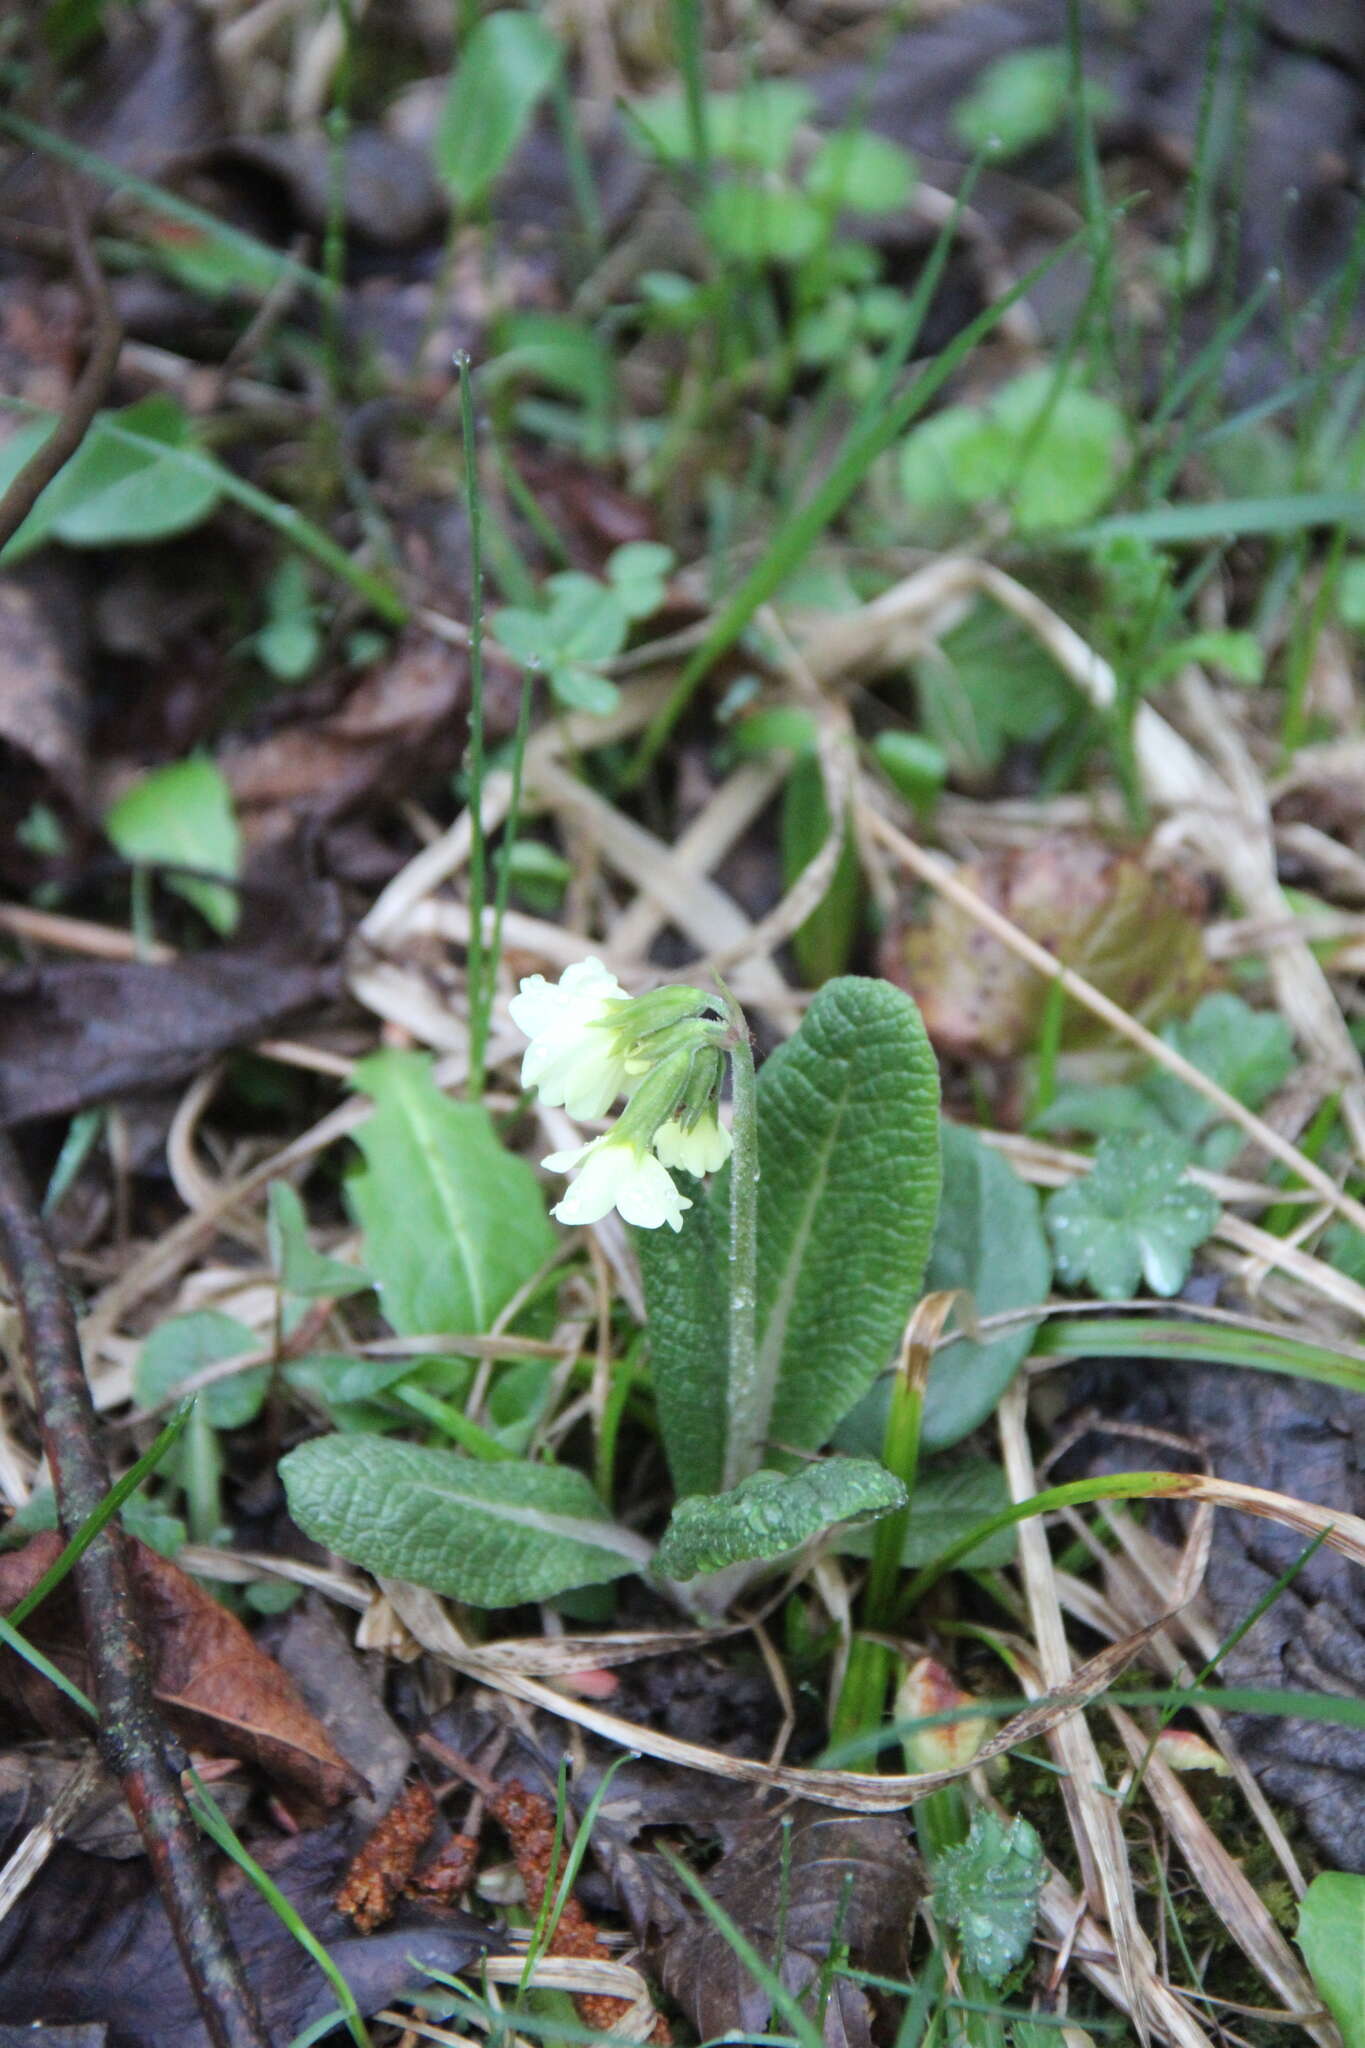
<point x="1133" y="1217"/>
<point x="584" y="623"/>
<point x="638" y="575"/>
<point x="1248" y="1052"/>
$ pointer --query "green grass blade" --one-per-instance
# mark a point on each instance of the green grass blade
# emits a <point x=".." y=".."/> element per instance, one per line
<point x="1289" y="512"/>
<point x="269" y="266"/>
<point x="219" y="1830"/>
<point x="107" y="1509"/>
<point x="1261" y="1347"/>
<point x="22" y="1647"/>
<point x="1075" y="1493"/>
<point x="790" y="2008"/>
<point x="870" y="436"/>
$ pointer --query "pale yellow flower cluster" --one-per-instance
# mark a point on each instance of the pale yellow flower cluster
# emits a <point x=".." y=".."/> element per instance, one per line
<point x="589" y="1043"/>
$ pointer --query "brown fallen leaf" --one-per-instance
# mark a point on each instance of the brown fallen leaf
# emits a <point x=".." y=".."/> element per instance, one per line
<point x="89" y="1942"/>
<point x="220" y="1692"/>
<point x="1135" y="933"/>
<point x="42" y="705"/>
<point x="77" y="1032"/>
<point x="396" y="729"/>
<point x="794" y="1884"/>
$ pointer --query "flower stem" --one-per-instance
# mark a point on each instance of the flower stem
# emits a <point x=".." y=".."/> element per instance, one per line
<point x="475" y="961"/>
<point x="746" y="1426"/>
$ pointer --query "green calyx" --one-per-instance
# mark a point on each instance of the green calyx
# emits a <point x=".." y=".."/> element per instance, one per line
<point x="654" y="1101"/>
<point x="650" y="1027"/>
<point x="703" y="1087"/>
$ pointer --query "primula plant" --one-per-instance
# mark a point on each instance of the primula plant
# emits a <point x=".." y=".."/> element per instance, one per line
<point x="781" y="1254"/>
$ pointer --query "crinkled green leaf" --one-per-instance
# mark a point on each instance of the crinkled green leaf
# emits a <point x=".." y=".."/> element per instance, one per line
<point x="584" y="622"/>
<point x="988" y="1888"/>
<point x="182" y="1346"/>
<point x="951" y="1497"/>
<point x="508" y="62"/>
<point x="341" y="1381"/>
<point x="770" y="1513"/>
<point x="582" y="689"/>
<point x="1248" y="1052"/>
<point x="588" y="617"/>
<point x="1332" y="1937"/>
<point x="964" y="710"/>
<point x="493" y="1535"/>
<point x="847" y="1197"/>
<point x="303" y="1270"/>
<point x="183" y="814"/>
<point x="554" y="350"/>
<point x="1133" y="1217"/>
<point x="454" y="1223"/>
<point x="1052" y="456"/>
<point x="684" y="1274"/>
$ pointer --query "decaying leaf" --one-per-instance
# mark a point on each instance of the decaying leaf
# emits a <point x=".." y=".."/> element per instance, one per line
<point x="1134" y="933"/>
<point x="42" y="702"/>
<point x="219" y="1691"/>
<point x="821" y="1879"/>
<point x="77" y="1032"/>
<point x="397" y="728"/>
<point x="89" y="1942"/>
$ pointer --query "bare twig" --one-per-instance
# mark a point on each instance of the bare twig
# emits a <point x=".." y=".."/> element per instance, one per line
<point x="134" y="1744"/>
<point x="90" y="387"/>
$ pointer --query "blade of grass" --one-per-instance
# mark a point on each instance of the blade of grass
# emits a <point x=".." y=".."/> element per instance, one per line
<point x="1288" y="512"/>
<point x="1261" y="1348"/>
<point x="108" y="1508"/>
<point x="269" y="265"/>
<point x="1103" y="292"/>
<point x="219" y="1830"/>
<point x="1197" y="209"/>
<point x="1224" y="1649"/>
<point x="783" y="2003"/>
<point x="881" y="420"/>
<point x="1074" y="1493"/>
<point x="1332" y="1709"/>
<point x="689" y="43"/>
